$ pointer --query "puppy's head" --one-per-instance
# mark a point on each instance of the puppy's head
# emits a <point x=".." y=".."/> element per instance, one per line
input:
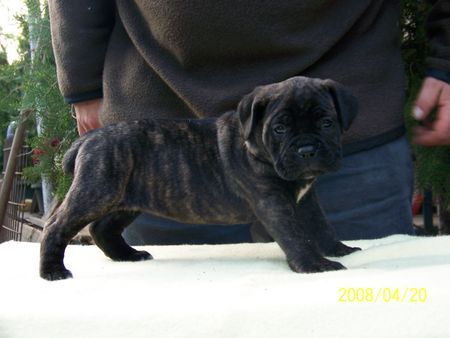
<point x="297" y="125"/>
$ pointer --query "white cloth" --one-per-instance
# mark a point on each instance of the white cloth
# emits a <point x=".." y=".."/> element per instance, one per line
<point x="244" y="290"/>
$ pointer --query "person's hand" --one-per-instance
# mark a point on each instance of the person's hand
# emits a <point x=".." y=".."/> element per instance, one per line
<point x="87" y="114"/>
<point x="433" y="94"/>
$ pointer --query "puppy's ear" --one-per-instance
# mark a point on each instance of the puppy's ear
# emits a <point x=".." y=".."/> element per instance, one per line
<point x="250" y="111"/>
<point x="345" y="103"/>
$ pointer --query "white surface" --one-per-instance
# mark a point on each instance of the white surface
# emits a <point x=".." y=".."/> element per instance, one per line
<point x="243" y="290"/>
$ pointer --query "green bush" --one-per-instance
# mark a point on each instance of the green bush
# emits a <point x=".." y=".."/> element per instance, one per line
<point x="57" y="129"/>
<point x="11" y="80"/>
<point x="432" y="163"/>
<point x="39" y="86"/>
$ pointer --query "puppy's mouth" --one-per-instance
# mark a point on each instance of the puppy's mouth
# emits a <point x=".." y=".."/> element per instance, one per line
<point x="294" y="173"/>
<point x="306" y="161"/>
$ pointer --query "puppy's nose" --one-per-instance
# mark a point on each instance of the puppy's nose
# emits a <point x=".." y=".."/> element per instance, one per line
<point x="307" y="151"/>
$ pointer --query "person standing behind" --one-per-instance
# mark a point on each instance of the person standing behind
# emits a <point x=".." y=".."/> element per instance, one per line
<point x="127" y="60"/>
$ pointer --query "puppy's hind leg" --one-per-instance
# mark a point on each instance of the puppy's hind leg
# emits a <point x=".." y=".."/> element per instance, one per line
<point x="61" y="227"/>
<point x="107" y="234"/>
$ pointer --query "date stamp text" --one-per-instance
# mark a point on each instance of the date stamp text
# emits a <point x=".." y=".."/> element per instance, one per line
<point x="382" y="295"/>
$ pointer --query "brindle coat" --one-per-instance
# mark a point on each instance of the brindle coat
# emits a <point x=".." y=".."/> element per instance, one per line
<point x="256" y="164"/>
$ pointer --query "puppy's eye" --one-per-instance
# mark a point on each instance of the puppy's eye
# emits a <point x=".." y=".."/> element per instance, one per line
<point x="279" y="129"/>
<point x="326" y="123"/>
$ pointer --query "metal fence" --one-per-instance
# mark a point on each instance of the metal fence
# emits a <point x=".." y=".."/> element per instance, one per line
<point x="13" y="221"/>
<point x="16" y="156"/>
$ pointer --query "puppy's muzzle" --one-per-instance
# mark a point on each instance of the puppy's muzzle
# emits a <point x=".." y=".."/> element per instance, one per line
<point x="307" y="150"/>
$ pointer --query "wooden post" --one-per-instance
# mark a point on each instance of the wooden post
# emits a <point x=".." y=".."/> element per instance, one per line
<point x="12" y="160"/>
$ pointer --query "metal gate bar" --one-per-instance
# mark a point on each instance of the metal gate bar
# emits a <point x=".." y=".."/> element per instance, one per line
<point x="13" y="189"/>
<point x="13" y="221"/>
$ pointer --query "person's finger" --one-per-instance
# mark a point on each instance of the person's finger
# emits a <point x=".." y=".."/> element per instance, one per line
<point x="438" y="133"/>
<point x="87" y="115"/>
<point x="427" y="98"/>
<point x="429" y="138"/>
<point x="88" y="123"/>
<point x="81" y="129"/>
<point x="93" y="122"/>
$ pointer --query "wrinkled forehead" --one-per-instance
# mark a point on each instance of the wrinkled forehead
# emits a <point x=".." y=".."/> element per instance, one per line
<point x="300" y="98"/>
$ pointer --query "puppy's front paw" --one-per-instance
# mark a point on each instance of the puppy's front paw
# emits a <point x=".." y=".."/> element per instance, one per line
<point x="142" y="256"/>
<point x="340" y="249"/>
<point x="56" y="274"/>
<point x="317" y="265"/>
<point x="133" y="256"/>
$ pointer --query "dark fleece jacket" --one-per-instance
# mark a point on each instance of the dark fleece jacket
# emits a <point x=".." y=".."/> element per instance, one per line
<point x="197" y="58"/>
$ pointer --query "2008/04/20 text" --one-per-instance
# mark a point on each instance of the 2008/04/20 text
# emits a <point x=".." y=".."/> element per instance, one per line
<point x="385" y="295"/>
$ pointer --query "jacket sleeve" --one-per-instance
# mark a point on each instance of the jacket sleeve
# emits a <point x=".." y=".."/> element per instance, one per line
<point x="80" y="33"/>
<point x="438" y="30"/>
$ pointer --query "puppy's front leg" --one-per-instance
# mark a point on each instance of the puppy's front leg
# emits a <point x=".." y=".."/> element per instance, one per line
<point x="279" y="216"/>
<point x="311" y="215"/>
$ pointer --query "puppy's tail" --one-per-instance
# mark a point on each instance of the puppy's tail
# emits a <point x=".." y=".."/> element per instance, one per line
<point x="70" y="156"/>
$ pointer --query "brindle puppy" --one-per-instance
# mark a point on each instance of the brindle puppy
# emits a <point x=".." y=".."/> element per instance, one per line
<point x="255" y="164"/>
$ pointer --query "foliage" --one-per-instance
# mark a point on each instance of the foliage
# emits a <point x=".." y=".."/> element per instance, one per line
<point x="56" y="127"/>
<point x="432" y="163"/>
<point x="10" y="94"/>
<point x="11" y="78"/>
<point x="30" y="83"/>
